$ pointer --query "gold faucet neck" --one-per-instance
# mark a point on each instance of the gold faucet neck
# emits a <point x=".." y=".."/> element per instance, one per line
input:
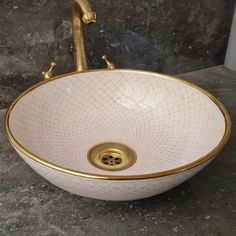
<point x="82" y="11"/>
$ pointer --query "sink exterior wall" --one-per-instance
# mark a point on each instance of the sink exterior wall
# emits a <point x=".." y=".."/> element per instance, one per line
<point x="112" y="190"/>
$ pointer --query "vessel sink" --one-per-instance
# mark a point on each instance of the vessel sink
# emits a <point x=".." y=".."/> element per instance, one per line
<point x="117" y="134"/>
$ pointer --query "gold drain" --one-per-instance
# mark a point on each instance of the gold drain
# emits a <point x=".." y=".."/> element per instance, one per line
<point x="112" y="156"/>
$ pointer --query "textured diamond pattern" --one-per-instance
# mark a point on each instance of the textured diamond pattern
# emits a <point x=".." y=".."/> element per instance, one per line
<point x="111" y="190"/>
<point x="167" y="123"/>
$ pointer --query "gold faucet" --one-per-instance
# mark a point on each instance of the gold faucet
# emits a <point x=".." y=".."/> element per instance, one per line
<point x="82" y="11"/>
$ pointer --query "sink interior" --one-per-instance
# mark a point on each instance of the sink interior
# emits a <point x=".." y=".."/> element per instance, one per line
<point x="166" y="122"/>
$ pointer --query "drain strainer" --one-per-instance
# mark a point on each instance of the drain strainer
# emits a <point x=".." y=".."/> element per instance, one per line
<point x="112" y="156"/>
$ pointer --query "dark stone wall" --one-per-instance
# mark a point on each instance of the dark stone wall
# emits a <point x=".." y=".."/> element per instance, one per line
<point x="160" y="35"/>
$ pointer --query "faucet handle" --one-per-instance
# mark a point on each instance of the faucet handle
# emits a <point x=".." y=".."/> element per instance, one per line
<point x="110" y="65"/>
<point x="49" y="73"/>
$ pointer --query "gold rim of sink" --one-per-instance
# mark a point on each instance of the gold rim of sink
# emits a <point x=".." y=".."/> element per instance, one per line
<point x="186" y="167"/>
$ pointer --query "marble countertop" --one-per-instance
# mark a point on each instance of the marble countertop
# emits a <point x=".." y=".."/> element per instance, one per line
<point x="205" y="205"/>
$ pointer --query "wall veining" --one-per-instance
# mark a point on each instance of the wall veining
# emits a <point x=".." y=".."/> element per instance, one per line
<point x="167" y="36"/>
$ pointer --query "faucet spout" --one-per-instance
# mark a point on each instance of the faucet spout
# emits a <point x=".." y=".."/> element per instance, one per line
<point x="82" y="12"/>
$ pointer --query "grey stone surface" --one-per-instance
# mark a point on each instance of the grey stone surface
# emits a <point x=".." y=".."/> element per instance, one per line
<point x="160" y="35"/>
<point x="203" y="206"/>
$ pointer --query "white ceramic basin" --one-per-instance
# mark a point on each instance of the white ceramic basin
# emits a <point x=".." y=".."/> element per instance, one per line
<point x="173" y="127"/>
